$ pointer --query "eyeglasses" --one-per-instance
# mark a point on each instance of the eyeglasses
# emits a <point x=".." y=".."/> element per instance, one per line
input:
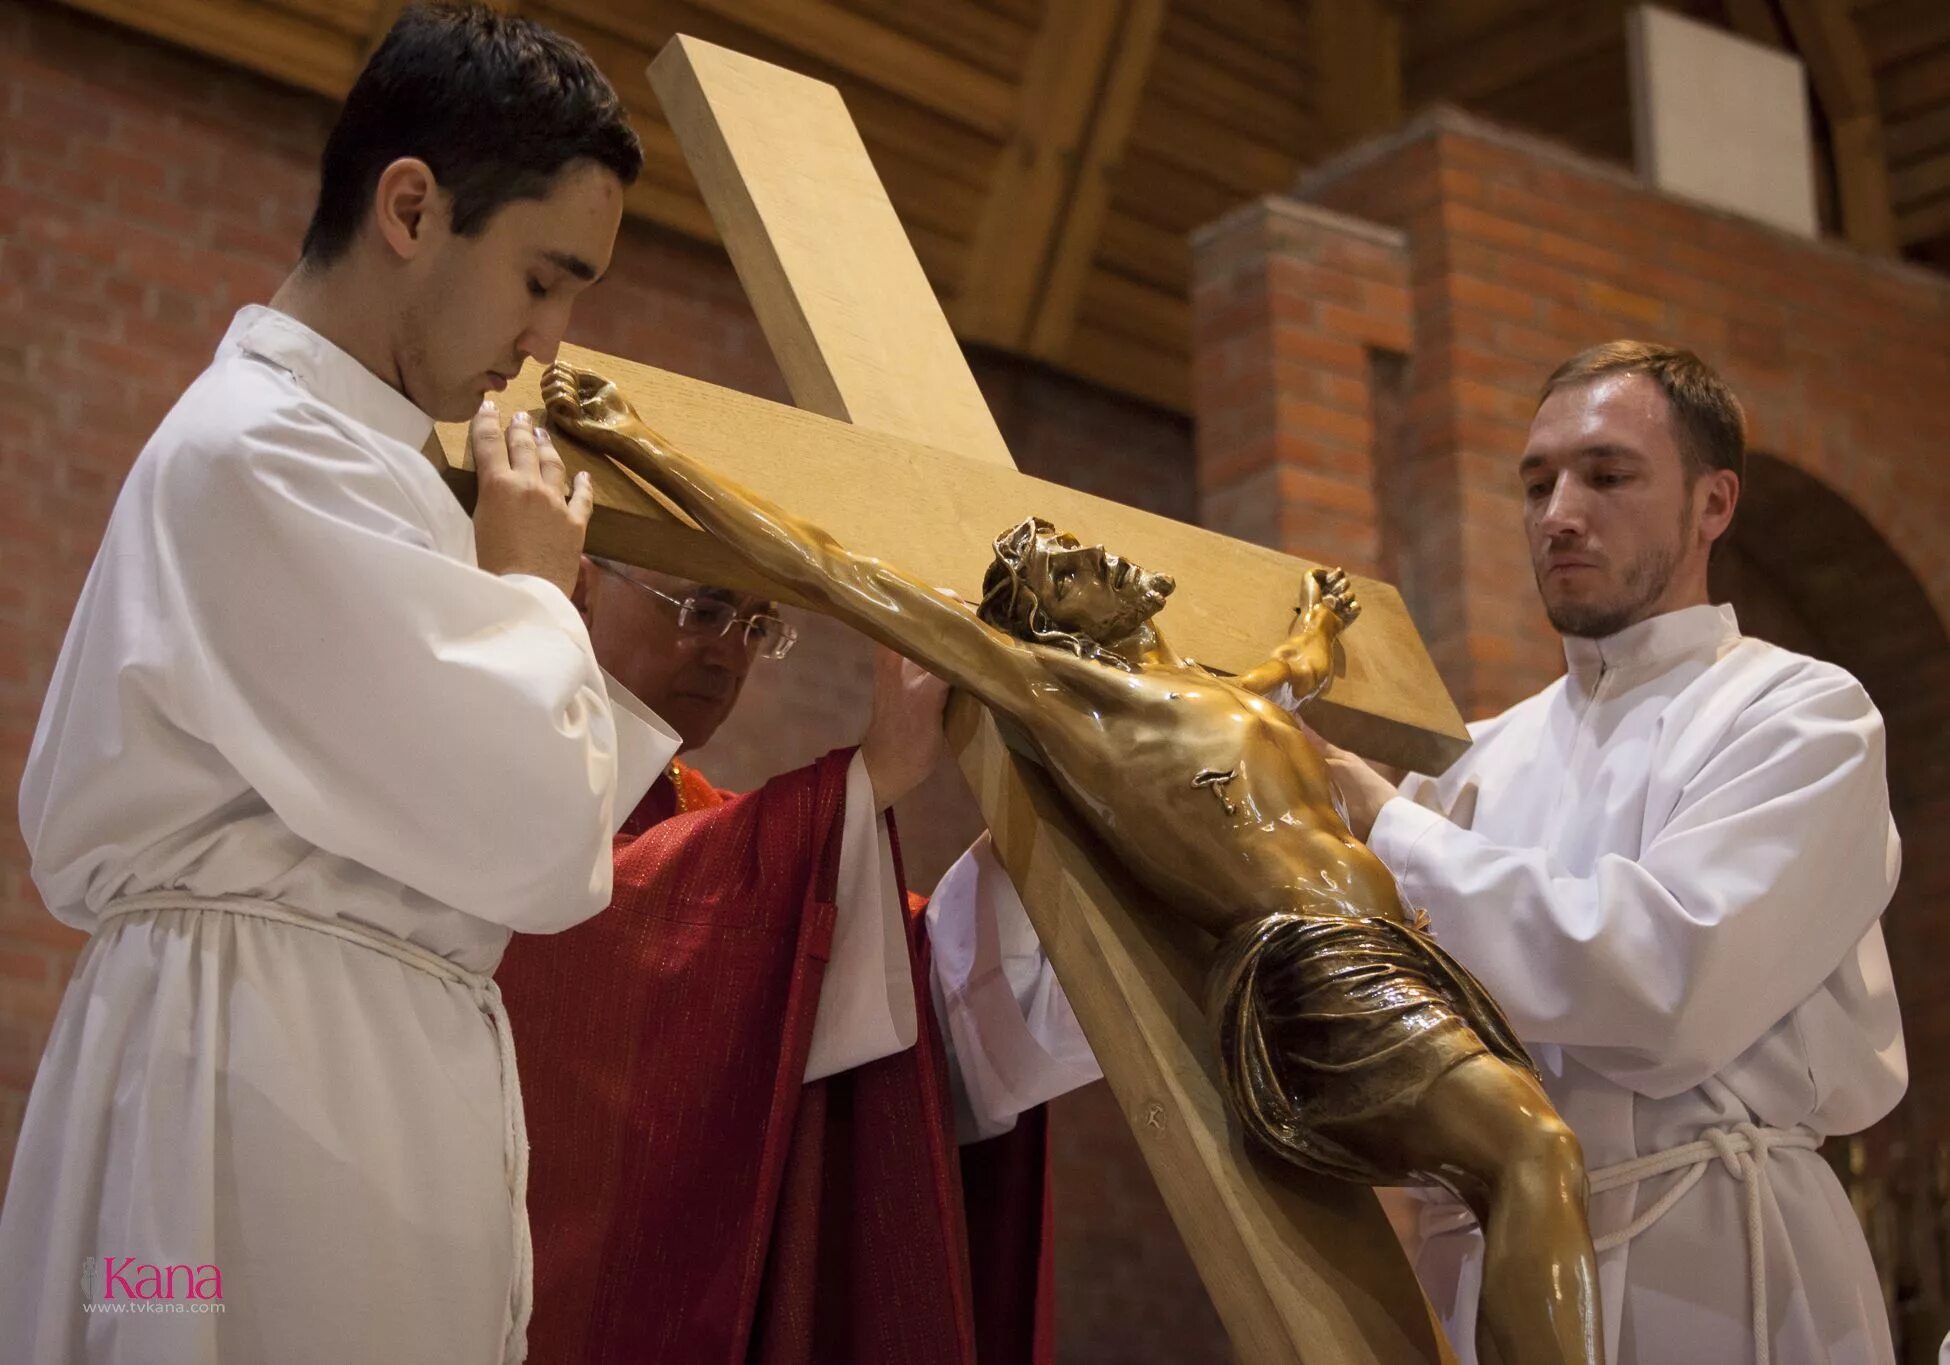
<point x="764" y="636"/>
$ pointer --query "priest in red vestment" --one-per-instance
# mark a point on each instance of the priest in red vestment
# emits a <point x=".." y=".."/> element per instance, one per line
<point x="779" y="1110"/>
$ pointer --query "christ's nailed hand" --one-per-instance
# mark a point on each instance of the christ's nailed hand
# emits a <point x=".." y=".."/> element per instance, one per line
<point x="527" y="517"/>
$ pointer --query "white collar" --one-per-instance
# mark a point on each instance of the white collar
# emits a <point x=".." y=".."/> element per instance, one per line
<point x="328" y="373"/>
<point x="1656" y="642"/>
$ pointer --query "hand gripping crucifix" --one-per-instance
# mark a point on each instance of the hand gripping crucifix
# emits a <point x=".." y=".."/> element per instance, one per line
<point x="893" y="451"/>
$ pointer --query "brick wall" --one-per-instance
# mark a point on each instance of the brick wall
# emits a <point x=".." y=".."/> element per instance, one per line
<point x="144" y="196"/>
<point x="1369" y="356"/>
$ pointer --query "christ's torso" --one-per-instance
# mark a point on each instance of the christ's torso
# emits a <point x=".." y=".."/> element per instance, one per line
<point x="1210" y="794"/>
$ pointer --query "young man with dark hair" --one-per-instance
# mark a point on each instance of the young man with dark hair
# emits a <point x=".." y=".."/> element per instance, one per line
<point x="1669" y="868"/>
<point x="314" y="746"/>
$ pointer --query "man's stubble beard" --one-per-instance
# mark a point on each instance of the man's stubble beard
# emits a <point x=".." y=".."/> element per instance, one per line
<point x="1646" y="580"/>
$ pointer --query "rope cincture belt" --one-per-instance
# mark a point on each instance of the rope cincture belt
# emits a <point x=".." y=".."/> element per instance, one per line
<point x="1745" y="1149"/>
<point x="487" y="998"/>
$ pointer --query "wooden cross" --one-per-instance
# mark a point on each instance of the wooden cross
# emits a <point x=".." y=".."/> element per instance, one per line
<point x="893" y="450"/>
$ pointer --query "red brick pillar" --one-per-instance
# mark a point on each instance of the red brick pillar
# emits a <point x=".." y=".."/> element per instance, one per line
<point x="1300" y="320"/>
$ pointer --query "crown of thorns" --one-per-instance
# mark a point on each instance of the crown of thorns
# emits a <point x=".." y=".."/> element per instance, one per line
<point x="1010" y="604"/>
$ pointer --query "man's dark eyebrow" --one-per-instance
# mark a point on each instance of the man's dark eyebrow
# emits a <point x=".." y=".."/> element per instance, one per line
<point x="1597" y="452"/>
<point x="572" y="263"/>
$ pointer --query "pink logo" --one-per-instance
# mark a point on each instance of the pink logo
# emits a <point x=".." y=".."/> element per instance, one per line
<point x="126" y="1279"/>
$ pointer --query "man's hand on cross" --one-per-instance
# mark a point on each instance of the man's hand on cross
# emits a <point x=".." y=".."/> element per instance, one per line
<point x="1363" y="791"/>
<point x="527" y="517"/>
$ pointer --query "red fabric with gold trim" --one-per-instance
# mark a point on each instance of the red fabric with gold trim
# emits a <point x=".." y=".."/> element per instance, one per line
<point x="691" y="1199"/>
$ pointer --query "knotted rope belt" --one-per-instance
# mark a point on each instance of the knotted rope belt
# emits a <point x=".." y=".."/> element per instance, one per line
<point x="1745" y="1149"/>
<point x="487" y="998"/>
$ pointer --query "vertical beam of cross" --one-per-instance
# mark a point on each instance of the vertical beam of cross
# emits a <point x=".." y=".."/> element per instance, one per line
<point x="1301" y="1270"/>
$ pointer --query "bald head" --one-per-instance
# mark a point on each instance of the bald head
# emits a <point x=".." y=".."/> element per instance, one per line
<point x="692" y="678"/>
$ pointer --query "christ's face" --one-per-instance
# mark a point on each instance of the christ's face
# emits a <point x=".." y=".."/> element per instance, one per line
<point x="1612" y="514"/>
<point x="478" y="307"/>
<point x="1090" y="591"/>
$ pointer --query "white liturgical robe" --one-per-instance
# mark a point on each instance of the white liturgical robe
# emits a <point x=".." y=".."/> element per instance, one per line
<point x="288" y="691"/>
<point x="1669" y="867"/>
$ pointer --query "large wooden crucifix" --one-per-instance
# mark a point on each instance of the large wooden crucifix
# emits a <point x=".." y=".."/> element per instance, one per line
<point x="894" y="451"/>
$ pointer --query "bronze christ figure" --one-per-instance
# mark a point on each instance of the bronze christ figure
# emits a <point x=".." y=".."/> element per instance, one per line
<point x="1351" y="1043"/>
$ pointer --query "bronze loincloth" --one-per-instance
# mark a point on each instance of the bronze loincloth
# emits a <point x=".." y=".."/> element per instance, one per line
<point x="1332" y="1027"/>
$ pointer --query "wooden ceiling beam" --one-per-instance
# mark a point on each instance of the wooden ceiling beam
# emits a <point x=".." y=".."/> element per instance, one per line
<point x="1356" y="63"/>
<point x="1035" y="176"/>
<point x="1124" y="72"/>
<point x="1923" y="223"/>
<point x="1083" y="225"/>
<point x="1896" y="30"/>
<point x="1470" y="70"/>
<point x="1911" y="138"/>
<point x="1245" y="165"/>
<point x="857" y="45"/>
<point x="991" y="41"/>
<point x="1918" y="85"/>
<point x="1829" y="44"/>
<point x="1155" y="255"/>
<point x="1756" y="19"/>
<point x="1038" y="233"/>
<point x="285" y="47"/>
<point x="385" y="14"/>
<point x="1921" y="181"/>
<point x="1123" y="365"/>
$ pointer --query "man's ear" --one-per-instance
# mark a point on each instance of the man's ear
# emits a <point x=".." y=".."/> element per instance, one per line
<point x="1720" y="495"/>
<point x="405" y="203"/>
<point x="583" y="593"/>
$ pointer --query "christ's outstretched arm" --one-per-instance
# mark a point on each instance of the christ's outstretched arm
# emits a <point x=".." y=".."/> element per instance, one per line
<point x="1305" y="660"/>
<point x="875" y="598"/>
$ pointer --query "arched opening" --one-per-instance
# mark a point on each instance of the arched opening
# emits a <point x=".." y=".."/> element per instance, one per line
<point x="1809" y="572"/>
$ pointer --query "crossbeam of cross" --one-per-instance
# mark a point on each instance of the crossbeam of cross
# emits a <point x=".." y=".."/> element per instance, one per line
<point x="893" y="450"/>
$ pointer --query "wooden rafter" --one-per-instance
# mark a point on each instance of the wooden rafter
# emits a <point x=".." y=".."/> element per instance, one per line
<point x="1829" y="44"/>
<point x="271" y="42"/>
<point x="1035" y="175"/>
<point x="1756" y="19"/>
<point x="1480" y="67"/>
<point x="859" y="46"/>
<point x="1036" y="239"/>
<point x="1357" y="67"/>
<point x="384" y="15"/>
<point x="1124" y="74"/>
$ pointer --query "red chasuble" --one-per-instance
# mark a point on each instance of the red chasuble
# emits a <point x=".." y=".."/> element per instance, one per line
<point x="693" y="1201"/>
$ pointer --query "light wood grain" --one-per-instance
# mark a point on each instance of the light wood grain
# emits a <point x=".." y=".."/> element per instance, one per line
<point x="936" y="513"/>
<point x="836" y="286"/>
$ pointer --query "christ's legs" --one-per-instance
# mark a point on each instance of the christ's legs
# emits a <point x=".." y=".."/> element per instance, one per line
<point x="1488" y="1127"/>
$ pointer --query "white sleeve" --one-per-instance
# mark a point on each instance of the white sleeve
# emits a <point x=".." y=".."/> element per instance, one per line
<point x="1013" y="1041"/>
<point x="443" y="726"/>
<point x="1775" y="862"/>
<point x="866" y="1000"/>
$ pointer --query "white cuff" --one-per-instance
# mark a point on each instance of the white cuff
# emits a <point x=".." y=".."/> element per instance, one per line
<point x="645" y="744"/>
<point x="866" y="1003"/>
<point x="1398" y="832"/>
<point x="1013" y="1040"/>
